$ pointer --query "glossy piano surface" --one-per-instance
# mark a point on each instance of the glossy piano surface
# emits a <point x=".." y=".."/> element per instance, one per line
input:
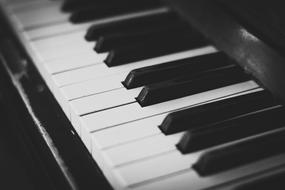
<point x="67" y="60"/>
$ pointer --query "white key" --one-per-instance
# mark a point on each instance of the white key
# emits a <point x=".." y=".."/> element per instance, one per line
<point x="61" y="46"/>
<point x="60" y="29"/>
<point x="104" y="101"/>
<point x="74" y="62"/>
<point x="141" y="149"/>
<point x="131" y="112"/>
<point x="115" y="136"/>
<point x="84" y="74"/>
<point x="91" y="87"/>
<point x="66" y="51"/>
<point x="81" y="75"/>
<point x="41" y="14"/>
<point x="181" y="180"/>
<point x="48" y="44"/>
<point x="109" y="118"/>
<point x="159" y="166"/>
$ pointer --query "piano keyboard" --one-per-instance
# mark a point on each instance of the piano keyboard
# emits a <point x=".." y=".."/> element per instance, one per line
<point x="147" y="112"/>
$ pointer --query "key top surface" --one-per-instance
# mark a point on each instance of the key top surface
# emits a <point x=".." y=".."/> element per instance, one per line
<point x="216" y="111"/>
<point x="166" y="71"/>
<point x="226" y="131"/>
<point x="184" y="86"/>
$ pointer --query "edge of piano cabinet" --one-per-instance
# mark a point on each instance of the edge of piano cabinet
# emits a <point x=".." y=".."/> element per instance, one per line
<point x="65" y="160"/>
<point x="264" y="62"/>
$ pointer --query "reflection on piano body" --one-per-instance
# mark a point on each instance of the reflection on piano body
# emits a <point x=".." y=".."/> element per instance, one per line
<point x="163" y="95"/>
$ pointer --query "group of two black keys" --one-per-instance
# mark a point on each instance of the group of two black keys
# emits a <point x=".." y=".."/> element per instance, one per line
<point x="207" y="125"/>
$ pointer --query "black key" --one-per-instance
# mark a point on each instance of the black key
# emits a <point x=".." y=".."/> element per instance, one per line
<point x="157" y="47"/>
<point x="275" y="181"/>
<point x="134" y="24"/>
<point x="144" y="36"/>
<point x="213" y="112"/>
<point x="115" y="8"/>
<point x="232" y="129"/>
<point x="165" y="71"/>
<point x="185" y="86"/>
<point x="241" y="153"/>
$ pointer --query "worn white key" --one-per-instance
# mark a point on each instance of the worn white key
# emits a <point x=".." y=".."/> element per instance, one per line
<point x="128" y="132"/>
<point x="91" y="87"/>
<point x="141" y="149"/>
<point x="102" y="70"/>
<point x="131" y="112"/>
<point x="159" y="166"/>
<point x="107" y="100"/>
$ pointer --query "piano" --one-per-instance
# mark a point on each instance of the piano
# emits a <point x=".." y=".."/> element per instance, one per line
<point x="144" y="95"/>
